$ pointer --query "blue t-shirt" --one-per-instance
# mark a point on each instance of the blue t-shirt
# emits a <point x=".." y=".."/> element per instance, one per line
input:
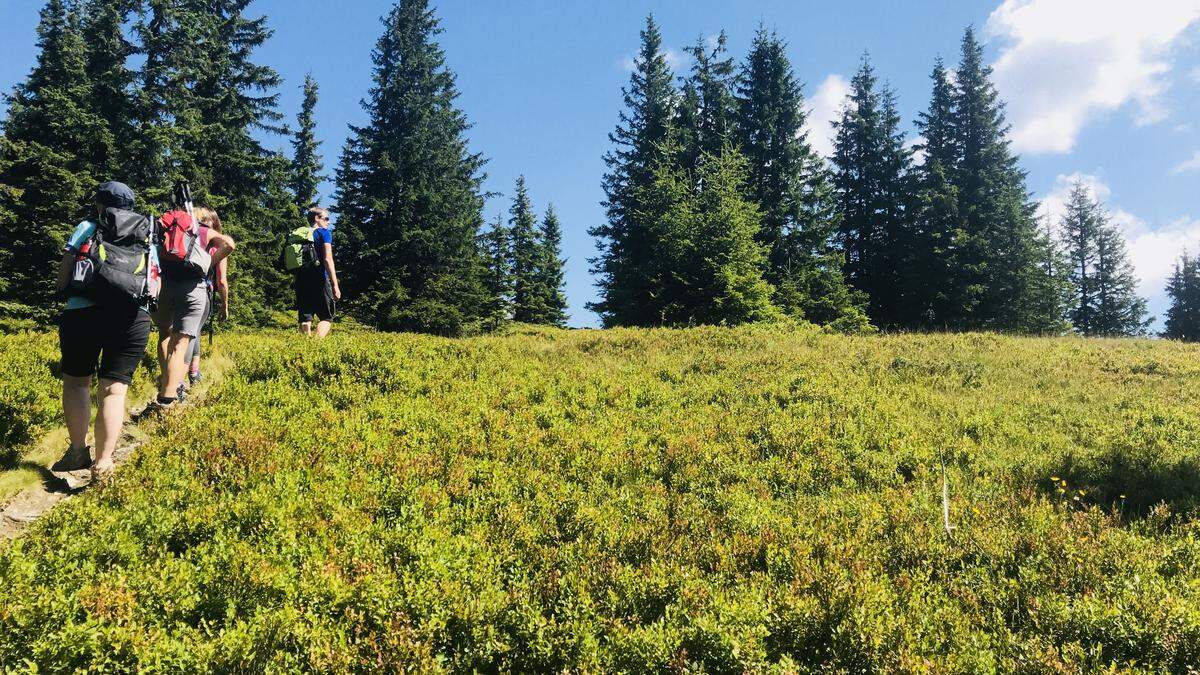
<point x="84" y="231"/>
<point x="322" y="235"/>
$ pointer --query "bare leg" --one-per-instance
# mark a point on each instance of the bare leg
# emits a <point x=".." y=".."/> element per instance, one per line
<point x="164" y="343"/>
<point x="323" y="328"/>
<point x="175" y="364"/>
<point x="109" y="420"/>
<point x="77" y="408"/>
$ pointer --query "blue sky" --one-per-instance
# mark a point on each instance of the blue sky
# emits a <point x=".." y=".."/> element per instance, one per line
<point x="1104" y="90"/>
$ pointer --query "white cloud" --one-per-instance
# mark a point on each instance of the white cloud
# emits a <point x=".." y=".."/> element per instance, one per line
<point x="918" y="154"/>
<point x="1192" y="164"/>
<point x="1065" y="61"/>
<point x="1153" y="251"/>
<point x="675" y="59"/>
<point x="824" y="107"/>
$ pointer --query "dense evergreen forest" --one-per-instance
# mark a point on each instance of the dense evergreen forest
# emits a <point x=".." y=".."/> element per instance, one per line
<point x="718" y="209"/>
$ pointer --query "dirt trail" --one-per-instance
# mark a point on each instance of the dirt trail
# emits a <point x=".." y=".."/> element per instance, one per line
<point x="31" y="503"/>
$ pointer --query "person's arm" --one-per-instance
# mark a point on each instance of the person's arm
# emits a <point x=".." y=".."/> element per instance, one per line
<point x="337" y="291"/>
<point x="223" y="289"/>
<point x="64" y="270"/>
<point x="222" y="245"/>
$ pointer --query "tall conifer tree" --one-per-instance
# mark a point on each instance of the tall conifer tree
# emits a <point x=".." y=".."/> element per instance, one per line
<point x="708" y="265"/>
<point x="871" y="181"/>
<point x="522" y="225"/>
<point x="307" y="165"/>
<point x="1104" y="298"/>
<point x="496" y="244"/>
<point x="1080" y="231"/>
<point x="790" y="184"/>
<point x="707" y="114"/>
<point x="104" y="27"/>
<point x="943" y="286"/>
<point x="1120" y="311"/>
<point x="53" y="139"/>
<point x="553" y="305"/>
<point x="1002" y="240"/>
<point x="411" y="201"/>
<point x="1183" y="288"/>
<point x="625" y="252"/>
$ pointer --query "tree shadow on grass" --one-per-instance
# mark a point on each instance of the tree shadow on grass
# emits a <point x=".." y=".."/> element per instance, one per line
<point x="1132" y="480"/>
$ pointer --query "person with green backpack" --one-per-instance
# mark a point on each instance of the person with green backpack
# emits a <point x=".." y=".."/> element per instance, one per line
<point x="308" y="255"/>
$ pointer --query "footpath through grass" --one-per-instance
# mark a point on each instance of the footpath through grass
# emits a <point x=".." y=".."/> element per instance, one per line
<point x="756" y="499"/>
<point x="32" y="435"/>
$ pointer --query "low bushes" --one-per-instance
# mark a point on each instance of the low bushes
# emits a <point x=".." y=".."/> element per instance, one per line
<point x="712" y="500"/>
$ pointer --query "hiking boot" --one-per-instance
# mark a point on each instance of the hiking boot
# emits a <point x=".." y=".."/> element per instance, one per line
<point x="181" y="393"/>
<point x="74" y="459"/>
<point x="152" y="410"/>
<point x="194" y="378"/>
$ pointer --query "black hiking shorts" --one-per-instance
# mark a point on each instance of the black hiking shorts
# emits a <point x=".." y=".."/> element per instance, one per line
<point x="108" y="340"/>
<point x="314" y="296"/>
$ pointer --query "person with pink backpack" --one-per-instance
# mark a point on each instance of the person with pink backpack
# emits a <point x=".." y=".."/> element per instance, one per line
<point x="186" y="253"/>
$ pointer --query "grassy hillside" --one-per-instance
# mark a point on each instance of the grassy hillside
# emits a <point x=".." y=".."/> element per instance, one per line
<point x="758" y="499"/>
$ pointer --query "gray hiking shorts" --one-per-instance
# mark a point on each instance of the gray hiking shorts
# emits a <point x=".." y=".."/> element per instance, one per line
<point x="181" y="305"/>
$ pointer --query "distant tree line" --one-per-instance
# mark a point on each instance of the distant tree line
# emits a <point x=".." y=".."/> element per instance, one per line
<point x="718" y="209"/>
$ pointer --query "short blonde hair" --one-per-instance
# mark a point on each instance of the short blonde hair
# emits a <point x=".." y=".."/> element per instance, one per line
<point x="314" y="211"/>
<point x="208" y="218"/>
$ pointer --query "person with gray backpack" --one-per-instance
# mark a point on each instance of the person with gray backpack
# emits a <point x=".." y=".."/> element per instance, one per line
<point x="185" y="258"/>
<point x="110" y="276"/>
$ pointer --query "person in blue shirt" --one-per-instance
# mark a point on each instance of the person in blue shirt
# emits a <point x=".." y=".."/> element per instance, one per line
<point x="103" y="338"/>
<point x="317" y="290"/>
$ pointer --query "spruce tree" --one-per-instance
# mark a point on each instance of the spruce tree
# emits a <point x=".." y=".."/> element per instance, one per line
<point x="1119" y="311"/>
<point x="942" y="286"/>
<point x="625" y="252"/>
<point x="522" y="224"/>
<point x="553" y="304"/>
<point x="104" y="27"/>
<point x="871" y="182"/>
<point x="307" y="166"/>
<point x="1104" y="298"/>
<point x="1080" y="231"/>
<point x="1183" y="288"/>
<point x="53" y="138"/>
<point x="708" y="267"/>
<point x="217" y="99"/>
<point x="1002" y="240"/>
<point x="790" y="184"/>
<point x="707" y="113"/>
<point x="496" y="244"/>
<point x="352" y="207"/>
<point x="410" y="200"/>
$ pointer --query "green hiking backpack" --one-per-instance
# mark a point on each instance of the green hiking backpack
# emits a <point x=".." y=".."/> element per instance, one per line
<point x="299" y="250"/>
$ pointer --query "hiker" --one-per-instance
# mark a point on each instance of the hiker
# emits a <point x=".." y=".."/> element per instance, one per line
<point x="109" y="273"/>
<point x="187" y="252"/>
<point x="309" y="256"/>
<point x="217" y="286"/>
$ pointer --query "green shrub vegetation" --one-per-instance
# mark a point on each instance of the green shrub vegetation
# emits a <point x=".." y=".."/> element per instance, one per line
<point x="30" y="391"/>
<point x="759" y="499"/>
